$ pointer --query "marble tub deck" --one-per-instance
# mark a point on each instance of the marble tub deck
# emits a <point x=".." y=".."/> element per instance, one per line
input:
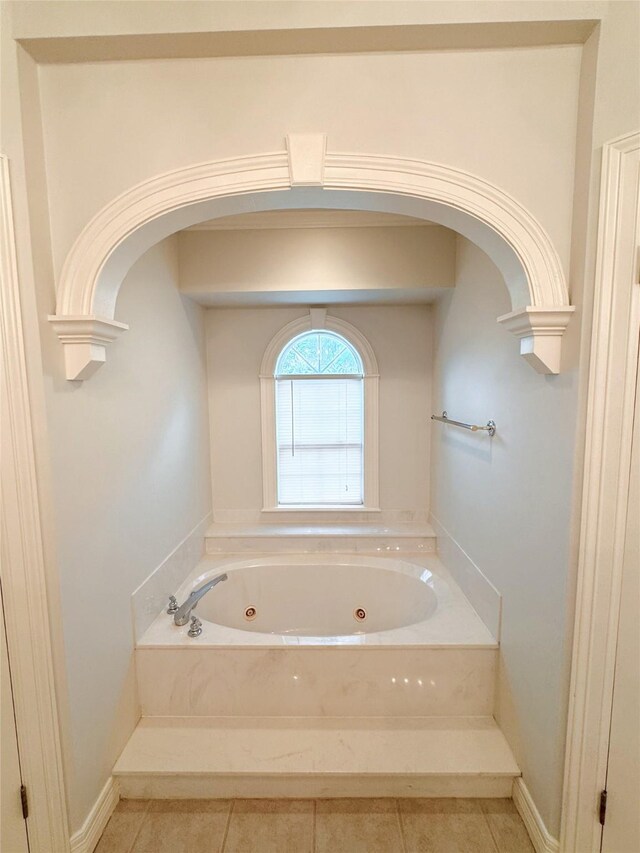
<point x="315" y="826"/>
<point x="455" y="624"/>
<point x="367" y="538"/>
<point x="444" y="665"/>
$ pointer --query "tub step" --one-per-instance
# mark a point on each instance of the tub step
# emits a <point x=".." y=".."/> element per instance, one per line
<point x="301" y="538"/>
<point x="316" y="757"/>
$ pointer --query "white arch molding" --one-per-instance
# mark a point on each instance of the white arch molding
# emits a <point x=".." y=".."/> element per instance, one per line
<point x="306" y="175"/>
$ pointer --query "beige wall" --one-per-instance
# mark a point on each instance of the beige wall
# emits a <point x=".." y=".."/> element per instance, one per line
<point x="108" y="126"/>
<point x="236" y="342"/>
<point x="534" y="571"/>
<point x="271" y="265"/>
<point x="130" y="457"/>
<point x="507" y="503"/>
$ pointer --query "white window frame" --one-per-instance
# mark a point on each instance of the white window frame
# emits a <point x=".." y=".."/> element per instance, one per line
<point x="317" y="319"/>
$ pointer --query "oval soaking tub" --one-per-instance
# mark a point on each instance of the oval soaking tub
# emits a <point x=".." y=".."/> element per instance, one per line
<point x="417" y="649"/>
<point x="316" y="595"/>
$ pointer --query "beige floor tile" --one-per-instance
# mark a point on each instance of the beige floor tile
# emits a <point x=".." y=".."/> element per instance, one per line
<point x="270" y="826"/>
<point x="182" y="826"/>
<point x="506" y="826"/>
<point x="123" y="826"/>
<point x="445" y="826"/>
<point x="357" y="826"/>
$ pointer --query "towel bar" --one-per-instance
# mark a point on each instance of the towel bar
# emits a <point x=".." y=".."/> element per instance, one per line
<point x="490" y="427"/>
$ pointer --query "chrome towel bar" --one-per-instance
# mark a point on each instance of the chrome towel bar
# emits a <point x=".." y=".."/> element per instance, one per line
<point x="490" y="427"/>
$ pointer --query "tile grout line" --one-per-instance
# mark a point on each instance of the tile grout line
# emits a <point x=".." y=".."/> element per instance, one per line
<point x="400" y="826"/>
<point x="137" y="832"/>
<point x="227" y="825"/>
<point x="488" y="822"/>
<point x="315" y="812"/>
<point x="495" y="842"/>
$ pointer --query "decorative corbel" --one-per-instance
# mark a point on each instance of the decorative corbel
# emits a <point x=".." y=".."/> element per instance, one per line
<point x="85" y="341"/>
<point x="540" y="331"/>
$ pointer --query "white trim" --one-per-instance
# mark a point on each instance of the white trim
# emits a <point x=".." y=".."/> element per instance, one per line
<point x="269" y="451"/>
<point x="322" y="509"/>
<point x="371" y="502"/>
<point x="318" y="317"/>
<point x="24" y="585"/>
<point x="143" y="215"/>
<point x="610" y="407"/>
<point x="540" y="332"/>
<point x="87" y="837"/>
<point x="371" y="443"/>
<point x="306" y="158"/>
<point x="540" y="836"/>
<point x="87" y="338"/>
<point x="305" y="324"/>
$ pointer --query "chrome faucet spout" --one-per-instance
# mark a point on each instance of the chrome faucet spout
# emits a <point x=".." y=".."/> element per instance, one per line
<point x="183" y="613"/>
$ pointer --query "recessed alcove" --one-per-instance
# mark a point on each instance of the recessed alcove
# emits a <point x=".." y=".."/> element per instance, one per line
<point x="215" y="200"/>
<point x="316" y="256"/>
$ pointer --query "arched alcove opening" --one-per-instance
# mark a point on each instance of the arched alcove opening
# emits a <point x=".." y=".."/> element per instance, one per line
<point x="307" y="177"/>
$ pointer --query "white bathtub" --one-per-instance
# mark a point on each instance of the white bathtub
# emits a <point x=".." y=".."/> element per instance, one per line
<point x="325" y="600"/>
<point x="420" y="650"/>
<point x="316" y="596"/>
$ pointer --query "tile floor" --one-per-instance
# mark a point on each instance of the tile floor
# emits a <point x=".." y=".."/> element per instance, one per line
<point x="315" y="826"/>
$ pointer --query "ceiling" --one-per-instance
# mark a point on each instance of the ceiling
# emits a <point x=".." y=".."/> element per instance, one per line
<point x="272" y="219"/>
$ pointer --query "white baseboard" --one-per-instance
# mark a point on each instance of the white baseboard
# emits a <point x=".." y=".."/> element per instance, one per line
<point x="540" y="836"/>
<point x="87" y="837"/>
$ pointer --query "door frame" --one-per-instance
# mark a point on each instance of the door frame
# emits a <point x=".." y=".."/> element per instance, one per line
<point x="23" y="566"/>
<point x="609" y="426"/>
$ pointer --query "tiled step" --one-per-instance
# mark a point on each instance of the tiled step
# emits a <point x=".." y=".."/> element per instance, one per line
<point x="301" y="538"/>
<point x="175" y="757"/>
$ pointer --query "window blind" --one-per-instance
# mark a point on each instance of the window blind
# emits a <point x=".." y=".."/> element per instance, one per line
<point x="319" y="434"/>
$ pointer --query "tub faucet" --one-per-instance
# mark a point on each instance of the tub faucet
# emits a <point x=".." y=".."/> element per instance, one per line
<point x="182" y="614"/>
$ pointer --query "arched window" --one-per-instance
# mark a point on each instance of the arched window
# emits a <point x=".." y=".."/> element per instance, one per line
<point x="319" y="353"/>
<point x="319" y="422"/>
<point x="319" y="419"/>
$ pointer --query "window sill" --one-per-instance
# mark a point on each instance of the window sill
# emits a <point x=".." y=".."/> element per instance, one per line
<point x="336" y="508"/>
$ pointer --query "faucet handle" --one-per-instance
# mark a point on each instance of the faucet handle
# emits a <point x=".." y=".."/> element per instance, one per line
<point x="173" y="604"/>
<point x="195" y="629"/>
